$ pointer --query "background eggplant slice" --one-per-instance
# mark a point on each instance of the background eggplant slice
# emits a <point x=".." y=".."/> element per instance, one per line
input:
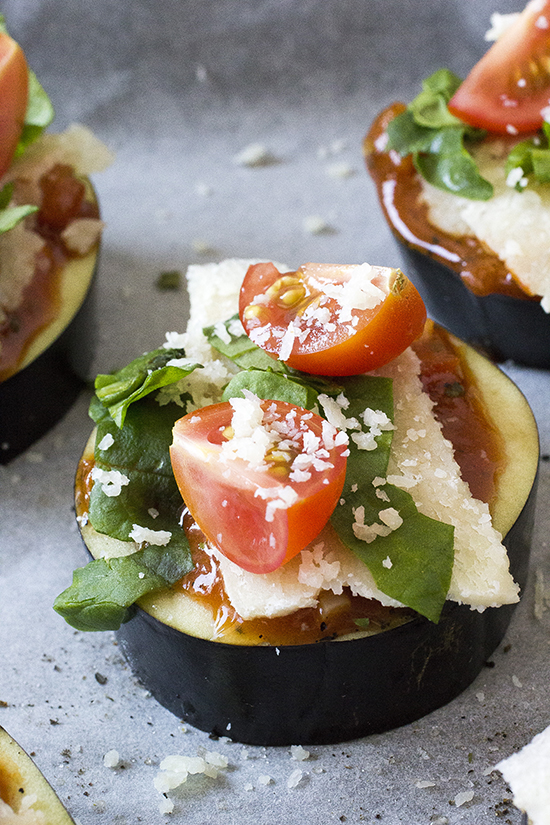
<point x="338" y="690"/>
<point x="56" y="367"/>
<point x="20" y="778"/>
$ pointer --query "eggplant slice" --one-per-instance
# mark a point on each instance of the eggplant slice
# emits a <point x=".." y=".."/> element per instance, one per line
<point x="21" y="779"/>
<point x="56" y="367"/>
<point x="338" y="690"/>
<point x="503" y="327"/>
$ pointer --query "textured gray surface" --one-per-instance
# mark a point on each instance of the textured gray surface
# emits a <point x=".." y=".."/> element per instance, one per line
<point x="177" y="89"/>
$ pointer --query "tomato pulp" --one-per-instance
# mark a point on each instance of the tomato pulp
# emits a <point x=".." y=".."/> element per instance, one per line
<point x="14" y="79"/>
<point x="325" y="319"/>
<point x="260" y="478"/>
<point x="508" y="90"/>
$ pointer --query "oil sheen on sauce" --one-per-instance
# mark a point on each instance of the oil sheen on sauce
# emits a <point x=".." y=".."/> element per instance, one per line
<point x="478" y="451"/>
<point x="399" y="188"/>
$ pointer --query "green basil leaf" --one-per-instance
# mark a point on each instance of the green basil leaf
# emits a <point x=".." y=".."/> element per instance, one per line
<point x="103" y="593"/>
<point x="271" y="385"/>
<point x="532" y="156"/>
<point x="140" y="451"/>
<point x="11" y="216"/>
<point x="230" y="339"/>
<point x="138" y="379"/>
<point x="437" y="140"/>
<point x="449" y="166"/>
<point x="421" y="550"/>
<point x="39" y="114"/>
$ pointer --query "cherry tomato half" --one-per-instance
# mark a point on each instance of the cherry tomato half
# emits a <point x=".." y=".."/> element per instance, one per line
<point x="14" y="89"/>
<point x="325" y="319"/>
<point x="259" y="512"/>
<point x="509" y="87"/>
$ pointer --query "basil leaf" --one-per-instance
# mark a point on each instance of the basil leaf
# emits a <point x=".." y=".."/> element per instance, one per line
<point x="140" y="451"/>
<point x="142" y="376"/>
<point x="436" y="139"/>
<point x="449" y="166"/>
<point x="39" y="114"/>
<point x="230" y="339"/>
<point x="429" y="108"/>
<point x="11" y="216"/>
<point x="420" y="550"/>
<point x="103" y="593"/>
<point x="271" y="385"/>
<point x="532" y="156"/>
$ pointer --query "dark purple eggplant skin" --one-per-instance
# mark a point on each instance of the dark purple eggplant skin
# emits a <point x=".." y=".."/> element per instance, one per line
<point x="34" y="399"/>
<point x="502" y="327"/>
<point x="327" y="692"/>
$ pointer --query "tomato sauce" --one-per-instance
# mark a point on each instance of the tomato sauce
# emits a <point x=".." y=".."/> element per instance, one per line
<point x="63" y="200"/>
<point x="399" y="188"/>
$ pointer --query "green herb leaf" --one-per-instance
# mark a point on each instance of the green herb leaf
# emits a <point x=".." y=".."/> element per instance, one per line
<point x="231" y="340"/>
<point x="140" y="451"/>
<point x="39" y="115"/>
<point x="436" y="139"/>
<point x="138" y="379"/>
<point x="271" y="385"/>
<point x="103" y="593"/>
<point x="532" y="156"/>
<point x="421" y="550"/>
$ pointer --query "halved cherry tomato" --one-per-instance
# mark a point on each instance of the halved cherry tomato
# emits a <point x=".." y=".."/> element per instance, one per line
<point x="14" y="89"/>
<point x="509" y="87"/>
<point x="258" y="511"/>
<point x="325" y="319"/>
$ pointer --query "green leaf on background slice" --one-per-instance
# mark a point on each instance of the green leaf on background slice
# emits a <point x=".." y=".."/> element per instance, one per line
<point x="102" y="594"/>
<point x="421" y="550"/>
<point x="437" y="140"/>
<point x="229" y="339"/>
<point x="449" y="166"/>
<point x="39" y="115"/>
<point x="429" y="108"/>
<point x="532" y="156"/>
<point x="138" y="379"/>
<point x="11" y="216"/>
<point x="140" y="451"/>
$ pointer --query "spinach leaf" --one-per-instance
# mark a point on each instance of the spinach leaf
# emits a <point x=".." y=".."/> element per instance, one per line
<point x="140" y="451"/>
<point x="420" y="551"/>
<point x="103" y="593"/>
<point x="532" y="156"/>
<point x="142" y="376"/>
<point x="230" y="339"/>
<point x="436" y="139"/>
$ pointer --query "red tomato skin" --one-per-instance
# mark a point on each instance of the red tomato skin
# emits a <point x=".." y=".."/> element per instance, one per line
<point x="14" y="89"/>
<point x="238" y="527"/>
<point x="490" y="97"/>
<point x="391" y="328"/>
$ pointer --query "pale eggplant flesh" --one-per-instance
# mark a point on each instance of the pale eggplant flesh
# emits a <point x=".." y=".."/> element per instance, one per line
<point x="336" y="690"/>
<point x="19" y="777"/>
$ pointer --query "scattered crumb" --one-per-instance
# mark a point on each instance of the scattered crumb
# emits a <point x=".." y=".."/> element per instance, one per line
<point x="299" y="753"/>
<point x="111" y="759"/>
<point x="203" y="189"/>
<point x="255" y="154"/>
<point x="316" y="225"/>
<point x="424" y="783"/>
<point x="340" y="170"/>
<point x="295" y="778"/>
<point x="463" y="797"/>
<point x="517" y="682"/>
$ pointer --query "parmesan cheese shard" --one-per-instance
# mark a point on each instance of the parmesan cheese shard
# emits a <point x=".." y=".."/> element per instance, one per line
<point x="422" y="461"/>
<point x="514" y="225"/>
<point x="527" y="773"/>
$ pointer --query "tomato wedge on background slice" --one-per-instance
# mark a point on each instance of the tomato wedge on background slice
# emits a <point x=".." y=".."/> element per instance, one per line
<point x="14" y="89"/>
<point x="326" y="319"/>
<point x="260" y="478"/>
<point x="509" y="87"/>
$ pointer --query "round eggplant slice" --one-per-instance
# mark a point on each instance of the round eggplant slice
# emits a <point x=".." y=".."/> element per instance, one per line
<point x="465" y="286"/>
<point x="337" y="690"/>
<point x="503" y="327"/>
<point x="21" y="782"/>
<point x="55" y="366"/>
